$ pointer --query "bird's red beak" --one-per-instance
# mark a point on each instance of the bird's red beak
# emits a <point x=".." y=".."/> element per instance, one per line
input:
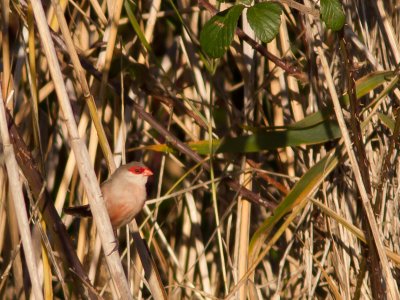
<point x="147" y="172"/>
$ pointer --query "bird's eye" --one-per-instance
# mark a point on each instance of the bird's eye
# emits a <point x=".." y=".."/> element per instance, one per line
<point x="136" y="170"/>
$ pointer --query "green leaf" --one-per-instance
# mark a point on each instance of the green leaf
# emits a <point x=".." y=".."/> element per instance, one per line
<point x="387" y="121"/>
<point x="265" y="19"/>
<point x="371" y="81"/>
<point x="271" y="140"/>
<point x="312" y="119"/>
<point x="245" y="2"/>
<point x="299" y="194"/>
<point x="368" y="83"/>
<point x="290" y="136"/>
<point x="332" y="14"/>
<point x="136" y="26"/>
<point x="218" y="32"/>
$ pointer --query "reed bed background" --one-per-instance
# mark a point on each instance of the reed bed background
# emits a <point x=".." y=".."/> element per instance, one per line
<point x="276" y="166"/>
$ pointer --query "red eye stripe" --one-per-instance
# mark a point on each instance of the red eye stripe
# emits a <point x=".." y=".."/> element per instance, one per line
<point x="136" y="170"/>
<point x="140" y="170"/>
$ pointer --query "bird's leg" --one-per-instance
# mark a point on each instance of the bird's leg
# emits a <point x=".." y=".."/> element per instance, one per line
<point x="115" y="242"/>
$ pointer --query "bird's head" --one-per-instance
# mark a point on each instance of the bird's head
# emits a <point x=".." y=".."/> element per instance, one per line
<point x="137" y="172"/>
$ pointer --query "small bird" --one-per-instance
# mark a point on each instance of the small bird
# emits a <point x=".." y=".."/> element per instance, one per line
<point x="124" y="194"/>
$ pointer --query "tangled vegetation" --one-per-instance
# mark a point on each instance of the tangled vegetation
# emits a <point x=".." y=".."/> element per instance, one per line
<point x="272" y="129"/>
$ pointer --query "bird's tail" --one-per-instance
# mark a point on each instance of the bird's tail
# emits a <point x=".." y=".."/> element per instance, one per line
<point x="79" y="211"/>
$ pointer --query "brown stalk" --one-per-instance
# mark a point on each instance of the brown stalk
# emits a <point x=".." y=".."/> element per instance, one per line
<point x="279" y="186"/>
<point x="372" y="256"/>
<point x="393" y="141"/>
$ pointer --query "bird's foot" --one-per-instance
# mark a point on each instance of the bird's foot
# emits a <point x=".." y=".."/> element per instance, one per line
<point x="115" y="248"/>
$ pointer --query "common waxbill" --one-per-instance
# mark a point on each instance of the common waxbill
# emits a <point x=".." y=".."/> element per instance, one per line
<point x="124" y="194"/>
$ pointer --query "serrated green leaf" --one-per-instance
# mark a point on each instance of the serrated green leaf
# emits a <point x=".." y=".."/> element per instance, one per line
<point x="332" y="14"/>
<point x="265" y="19"/>
<point x="218" y="32"/>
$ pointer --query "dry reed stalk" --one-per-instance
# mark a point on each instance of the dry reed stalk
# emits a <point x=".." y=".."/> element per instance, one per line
<point x="6" y="83"/>
<point x="243" y="234"/>
<point x="105" y="58"/>
<point x="15" y="185"/>
<point x="81" y="155"/>
<point x="82" y="81"/>
<point x="392" y="286"/>
<point x="243" y="222"/>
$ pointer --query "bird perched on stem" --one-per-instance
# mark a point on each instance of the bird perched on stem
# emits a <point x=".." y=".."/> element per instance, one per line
<point x="124" y="194"/>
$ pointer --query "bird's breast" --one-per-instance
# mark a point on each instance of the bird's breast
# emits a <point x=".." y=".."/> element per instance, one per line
<point x="123" y="201"/>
